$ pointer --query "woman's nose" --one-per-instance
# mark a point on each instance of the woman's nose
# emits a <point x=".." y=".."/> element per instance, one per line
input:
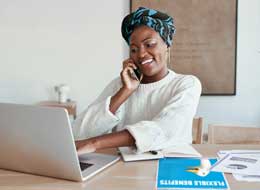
<point x="142" y="52"/>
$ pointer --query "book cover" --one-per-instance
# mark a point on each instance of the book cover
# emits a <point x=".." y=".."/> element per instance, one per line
<point x="189" y="173"/>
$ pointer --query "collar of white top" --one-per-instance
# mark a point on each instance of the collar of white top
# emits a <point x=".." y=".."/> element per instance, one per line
<point x="171" y="74"/>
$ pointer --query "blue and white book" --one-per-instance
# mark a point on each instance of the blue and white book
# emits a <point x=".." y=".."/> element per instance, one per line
<point x="189" y="173"/>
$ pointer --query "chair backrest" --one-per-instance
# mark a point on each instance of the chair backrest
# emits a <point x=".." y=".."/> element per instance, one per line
<point x="197" y="130"/>
<point x="224" y="134"/>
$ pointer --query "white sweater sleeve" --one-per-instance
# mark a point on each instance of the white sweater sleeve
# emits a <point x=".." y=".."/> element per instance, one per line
<point x="97" y="118"/>
<point x="173" y="125"/>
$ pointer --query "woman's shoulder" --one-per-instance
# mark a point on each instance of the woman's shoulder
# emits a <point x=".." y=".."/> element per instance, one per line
<point x="186" y="80"/>
<point x="110" y="89"/>
<point x="114" y="83"/>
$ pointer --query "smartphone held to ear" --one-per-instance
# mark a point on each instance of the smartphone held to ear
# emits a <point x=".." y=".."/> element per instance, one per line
<point x="137" y="74"/>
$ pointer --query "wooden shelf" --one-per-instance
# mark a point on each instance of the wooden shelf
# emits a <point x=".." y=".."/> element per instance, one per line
<point x="70" y="106"/>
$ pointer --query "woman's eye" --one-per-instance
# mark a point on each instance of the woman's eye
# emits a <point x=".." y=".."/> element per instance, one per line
<point x="133" y="50"/>
<point x="148" y="45"/>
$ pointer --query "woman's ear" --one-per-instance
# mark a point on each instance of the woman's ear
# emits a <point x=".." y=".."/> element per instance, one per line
<point x="168" y="56"/>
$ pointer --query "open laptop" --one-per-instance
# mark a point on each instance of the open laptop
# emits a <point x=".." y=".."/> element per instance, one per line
<point x="39" y="140"/>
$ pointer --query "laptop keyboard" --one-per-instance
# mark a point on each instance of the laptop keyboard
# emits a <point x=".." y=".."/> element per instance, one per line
<point x="84" y="165"/>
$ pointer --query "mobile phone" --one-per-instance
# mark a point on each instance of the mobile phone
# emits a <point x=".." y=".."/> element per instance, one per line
<point x="137" y="73"/>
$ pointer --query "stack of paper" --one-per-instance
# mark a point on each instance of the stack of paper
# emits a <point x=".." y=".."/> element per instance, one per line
<point x="243" y="164"/>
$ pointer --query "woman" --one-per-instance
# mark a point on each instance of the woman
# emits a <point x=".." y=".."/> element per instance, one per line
<point x="152" y="113"/>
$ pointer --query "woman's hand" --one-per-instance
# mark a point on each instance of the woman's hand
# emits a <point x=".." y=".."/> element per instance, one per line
<point x="85" y="146"/>
<point x="130" y="82"/>
<point x="111" y="140"/>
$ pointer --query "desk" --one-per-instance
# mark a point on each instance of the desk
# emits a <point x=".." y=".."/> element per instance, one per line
<point x="121" y="176"/>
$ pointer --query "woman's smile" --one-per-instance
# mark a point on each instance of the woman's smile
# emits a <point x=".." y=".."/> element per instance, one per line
<point x="147" y="61"/>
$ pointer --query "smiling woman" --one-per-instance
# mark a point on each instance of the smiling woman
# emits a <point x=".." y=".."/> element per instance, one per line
<point x="150" y="113"/>
<point x="149" y="53"/>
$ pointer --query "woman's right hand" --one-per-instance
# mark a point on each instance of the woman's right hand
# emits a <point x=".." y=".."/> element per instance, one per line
<point x="127" y="75"/>
<point x="130" y="84"/>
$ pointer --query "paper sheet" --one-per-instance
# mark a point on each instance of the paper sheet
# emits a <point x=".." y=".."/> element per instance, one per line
<point x="238" y="164"/>
<point x="241" y="177"/>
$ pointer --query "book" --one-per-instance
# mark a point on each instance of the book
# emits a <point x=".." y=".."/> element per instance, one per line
<point x="129" y="154"/>
<point x="189" y="173"/>
<point x="182" y="150"/>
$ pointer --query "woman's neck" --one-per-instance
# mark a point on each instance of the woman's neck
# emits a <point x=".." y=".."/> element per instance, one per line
<point x="155" y="78"/>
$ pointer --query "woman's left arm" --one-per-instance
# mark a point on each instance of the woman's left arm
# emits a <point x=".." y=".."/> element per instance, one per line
<point x="173" y="124"/>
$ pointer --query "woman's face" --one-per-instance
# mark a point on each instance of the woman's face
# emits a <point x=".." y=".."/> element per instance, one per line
<point x="149" y="53"/>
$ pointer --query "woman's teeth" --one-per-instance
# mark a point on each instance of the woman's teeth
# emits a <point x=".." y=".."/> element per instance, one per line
<point x="147" y="61"/>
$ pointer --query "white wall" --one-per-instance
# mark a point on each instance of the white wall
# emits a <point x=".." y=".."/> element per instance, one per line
<point x="244" y="108"/>
<point x="78" y="42"/>
<point x="44" y="43"/>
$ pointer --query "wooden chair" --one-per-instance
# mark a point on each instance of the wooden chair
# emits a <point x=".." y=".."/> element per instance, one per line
<point x="197" y="130"/>
<point x="224" y="134"/>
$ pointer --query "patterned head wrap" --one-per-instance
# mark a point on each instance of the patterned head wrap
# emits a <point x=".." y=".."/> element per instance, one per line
<point x="160" y="22"/>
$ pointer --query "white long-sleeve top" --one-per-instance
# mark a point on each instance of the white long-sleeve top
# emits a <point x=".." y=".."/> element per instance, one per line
<point x="157" y="115"/>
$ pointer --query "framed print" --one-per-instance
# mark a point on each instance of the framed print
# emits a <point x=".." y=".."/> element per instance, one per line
<point x="205" y="41"/>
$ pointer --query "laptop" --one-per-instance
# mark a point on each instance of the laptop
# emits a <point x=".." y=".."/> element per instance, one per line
<point x="39" y="140"/>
